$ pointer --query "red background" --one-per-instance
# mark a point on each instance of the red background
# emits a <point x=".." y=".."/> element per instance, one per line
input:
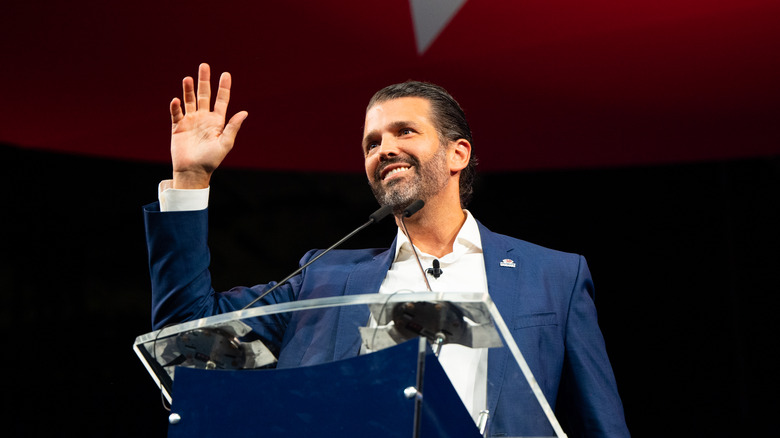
<point x="545" y="83"/>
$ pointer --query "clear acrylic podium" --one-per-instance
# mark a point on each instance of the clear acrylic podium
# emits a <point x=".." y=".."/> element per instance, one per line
<point x="221" y="384"/>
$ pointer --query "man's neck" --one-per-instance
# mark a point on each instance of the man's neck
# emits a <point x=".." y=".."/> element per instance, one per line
<point x="434" y="228"/>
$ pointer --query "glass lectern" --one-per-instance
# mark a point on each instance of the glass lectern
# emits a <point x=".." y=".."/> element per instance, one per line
<point x="222" y="382"/>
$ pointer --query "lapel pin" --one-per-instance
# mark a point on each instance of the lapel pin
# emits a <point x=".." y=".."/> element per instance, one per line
<point x="508" y="263"/>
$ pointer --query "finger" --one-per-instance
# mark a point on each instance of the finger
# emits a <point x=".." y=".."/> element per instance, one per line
<point x="188" y="86"/>
<point x="232" y="127"/>
<point x="176" y="114"/>
<point x="204" y="87"/>
<point x="223" y="94"/>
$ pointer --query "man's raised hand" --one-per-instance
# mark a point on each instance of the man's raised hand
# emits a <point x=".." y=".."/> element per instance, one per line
<point x="200" y="139"/>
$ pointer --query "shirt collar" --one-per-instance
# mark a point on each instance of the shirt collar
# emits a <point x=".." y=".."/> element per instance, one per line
<point x="468" y="240"/>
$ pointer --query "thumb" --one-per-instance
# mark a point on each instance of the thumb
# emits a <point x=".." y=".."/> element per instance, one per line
<point x="233" y="125"/>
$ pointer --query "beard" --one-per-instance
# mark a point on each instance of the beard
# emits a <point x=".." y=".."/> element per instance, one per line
<point x="426" y="180"/>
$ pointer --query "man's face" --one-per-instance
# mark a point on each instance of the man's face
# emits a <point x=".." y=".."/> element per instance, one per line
<point x="405" y="160"/>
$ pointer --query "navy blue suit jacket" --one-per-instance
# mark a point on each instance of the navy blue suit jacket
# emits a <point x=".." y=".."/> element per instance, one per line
<point x="546" y="299"/>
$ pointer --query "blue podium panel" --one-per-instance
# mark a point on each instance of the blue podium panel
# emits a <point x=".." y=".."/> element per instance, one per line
<point x="443" y="413"/>
<point x="358" y="397"/>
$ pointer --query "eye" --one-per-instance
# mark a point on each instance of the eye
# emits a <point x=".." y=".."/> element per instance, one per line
<point x="371" y="146"/>
<point x="406" y="131"/>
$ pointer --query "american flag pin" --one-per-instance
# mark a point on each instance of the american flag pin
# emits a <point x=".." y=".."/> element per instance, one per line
<point x="508" y="263"/>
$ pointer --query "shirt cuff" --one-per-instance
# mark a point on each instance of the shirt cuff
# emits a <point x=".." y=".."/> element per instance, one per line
<point x="181" y="200"/>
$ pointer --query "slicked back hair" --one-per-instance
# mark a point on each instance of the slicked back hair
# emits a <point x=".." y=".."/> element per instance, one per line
<point x="448" y="118"/>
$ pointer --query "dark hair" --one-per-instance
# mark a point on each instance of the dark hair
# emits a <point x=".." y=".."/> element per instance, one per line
<point x="448" y="117"/>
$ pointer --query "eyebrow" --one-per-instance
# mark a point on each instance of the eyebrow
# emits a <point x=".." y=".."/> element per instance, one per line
<point x="394" y="126"/>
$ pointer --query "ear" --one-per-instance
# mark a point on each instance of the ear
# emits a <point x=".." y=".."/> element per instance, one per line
<point x="459" y="155"/>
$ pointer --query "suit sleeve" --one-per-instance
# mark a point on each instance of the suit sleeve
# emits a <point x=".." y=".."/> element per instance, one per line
<point x="179" y="257"/>
<point x="588" y="399"/>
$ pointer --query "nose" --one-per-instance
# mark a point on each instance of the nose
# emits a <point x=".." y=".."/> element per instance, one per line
<point x="388" y="148"/>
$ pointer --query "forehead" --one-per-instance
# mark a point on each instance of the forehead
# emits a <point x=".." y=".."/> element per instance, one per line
<point x="410" y="109"/>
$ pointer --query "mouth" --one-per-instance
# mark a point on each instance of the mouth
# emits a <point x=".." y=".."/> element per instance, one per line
<point x="392" y="170"/>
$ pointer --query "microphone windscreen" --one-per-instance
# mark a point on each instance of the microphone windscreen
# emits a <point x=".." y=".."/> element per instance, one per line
<point x="381" y="213"/>
<point x="414" y="207"/>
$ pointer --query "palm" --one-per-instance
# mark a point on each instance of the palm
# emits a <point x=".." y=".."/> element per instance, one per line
<point x="197" y="142"/>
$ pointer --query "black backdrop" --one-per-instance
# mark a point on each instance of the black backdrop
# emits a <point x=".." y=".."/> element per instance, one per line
<point x="684" y="258"/>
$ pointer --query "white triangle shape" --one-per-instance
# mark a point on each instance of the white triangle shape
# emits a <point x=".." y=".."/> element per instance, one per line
<point x="430" y="17"/>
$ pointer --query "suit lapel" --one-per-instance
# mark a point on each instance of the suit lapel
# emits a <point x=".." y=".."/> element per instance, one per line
<point x="503" y="272"/>
<point x="365" y="278"/>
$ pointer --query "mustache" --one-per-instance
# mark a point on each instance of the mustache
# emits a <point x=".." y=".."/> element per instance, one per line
<point x="405" y="159"/>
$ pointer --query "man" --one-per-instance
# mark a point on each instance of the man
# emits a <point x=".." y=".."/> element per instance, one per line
<point x="417" y="145"/>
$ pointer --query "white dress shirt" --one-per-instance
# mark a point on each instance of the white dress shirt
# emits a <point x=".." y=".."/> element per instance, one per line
<point x="463" y="270"/>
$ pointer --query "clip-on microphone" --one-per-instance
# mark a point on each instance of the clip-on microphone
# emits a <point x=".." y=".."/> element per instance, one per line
<point x="436" y="270"/>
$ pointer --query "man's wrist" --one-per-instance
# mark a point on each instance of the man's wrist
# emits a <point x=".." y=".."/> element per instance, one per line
<point x="191" y="180"/>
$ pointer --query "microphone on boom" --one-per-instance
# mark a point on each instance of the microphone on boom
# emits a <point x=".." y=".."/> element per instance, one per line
<point x="375" y="217"/>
